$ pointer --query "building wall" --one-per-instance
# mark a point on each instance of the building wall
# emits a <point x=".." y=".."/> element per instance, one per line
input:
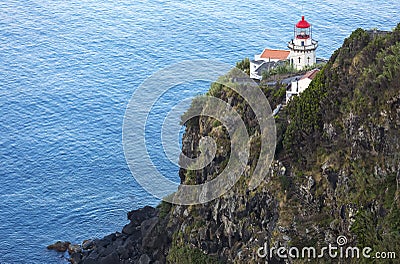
<point x="253" y="72"/>
<point x="295" y="55"/>
<point x="301" y="85"/>
<point x="298" y="41"/>
<point x="258" y="67"/>
<point x="297" y="87"/>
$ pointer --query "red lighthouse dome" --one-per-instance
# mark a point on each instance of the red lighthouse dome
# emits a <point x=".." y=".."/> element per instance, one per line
<point x="303" y="23"/>
<point x="302" y="30"/>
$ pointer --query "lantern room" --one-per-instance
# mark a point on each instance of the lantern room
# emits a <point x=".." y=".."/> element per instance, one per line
<point x="302" y="29"/>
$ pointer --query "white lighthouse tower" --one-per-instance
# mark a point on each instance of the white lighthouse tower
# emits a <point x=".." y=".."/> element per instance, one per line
<point x="302" y="46"/>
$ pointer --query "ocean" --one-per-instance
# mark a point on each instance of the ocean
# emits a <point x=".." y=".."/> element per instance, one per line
<point x="67" y="72"/>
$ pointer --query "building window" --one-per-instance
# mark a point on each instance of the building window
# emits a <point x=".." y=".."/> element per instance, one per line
<point x="302" y="43"/>
<point x="308" y="59"/>
<point x="299" y="60"/>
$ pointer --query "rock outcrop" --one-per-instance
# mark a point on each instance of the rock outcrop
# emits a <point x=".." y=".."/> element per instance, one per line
<point x="59" y="246"/>
<point x="141" y="241"/>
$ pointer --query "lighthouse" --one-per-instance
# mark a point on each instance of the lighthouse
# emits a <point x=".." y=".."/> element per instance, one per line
<point x="301" y="52"/>
<point x="302" y="47"/>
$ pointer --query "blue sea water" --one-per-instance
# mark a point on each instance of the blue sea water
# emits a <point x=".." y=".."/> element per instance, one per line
<point x="67" y="72"/>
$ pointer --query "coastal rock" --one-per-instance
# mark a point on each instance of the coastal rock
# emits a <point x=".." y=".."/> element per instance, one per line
<point x="112" y="258"/>
<point x="139" y="241"/>
<point x="149" y="238"/>
<point x="87" y="244"/>
<point x="75" y="258"/>
<point x="74" y="248"/>
<point x="59" y="246"/>
<point x="139" y="215"/>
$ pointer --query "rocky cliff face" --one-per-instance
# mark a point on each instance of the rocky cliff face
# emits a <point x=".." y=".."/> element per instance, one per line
<point x="336" y="173"/>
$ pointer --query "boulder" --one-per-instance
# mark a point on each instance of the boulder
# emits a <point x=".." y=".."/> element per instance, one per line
<point x="88" y="244"/>
<point x="59" y="246"/>
<point x="74" y="248"/>
<point x="139" y="215"/>
<point x="110" y="259"/>
<point x="75" y="258"/>
<point x="130" y="229"/>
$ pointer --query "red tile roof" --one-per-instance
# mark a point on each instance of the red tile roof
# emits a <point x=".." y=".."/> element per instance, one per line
<point x="310" y="74"/>
<point x="275" y="54"/>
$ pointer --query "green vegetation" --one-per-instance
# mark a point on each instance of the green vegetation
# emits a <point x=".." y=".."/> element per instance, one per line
<point x="164" y="208"/>
<point x="182" y="253"/>
<point x="305" y="118"/>
<point x="189" y="255"/>
<point x="285" y="68"/>
<point x="244" y="65"/>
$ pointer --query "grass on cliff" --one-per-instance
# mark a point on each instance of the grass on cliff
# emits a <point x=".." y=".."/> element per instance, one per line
<point x="183" y="253"/>
<point x="189" y="255"/>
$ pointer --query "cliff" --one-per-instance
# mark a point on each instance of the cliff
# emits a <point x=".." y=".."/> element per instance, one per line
<point x="336" y="173"/>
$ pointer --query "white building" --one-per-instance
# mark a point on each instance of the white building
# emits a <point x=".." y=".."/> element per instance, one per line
<point x="300" y="85"/>
<point x="302" y="47"/>
<point x="301" y="52"/>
